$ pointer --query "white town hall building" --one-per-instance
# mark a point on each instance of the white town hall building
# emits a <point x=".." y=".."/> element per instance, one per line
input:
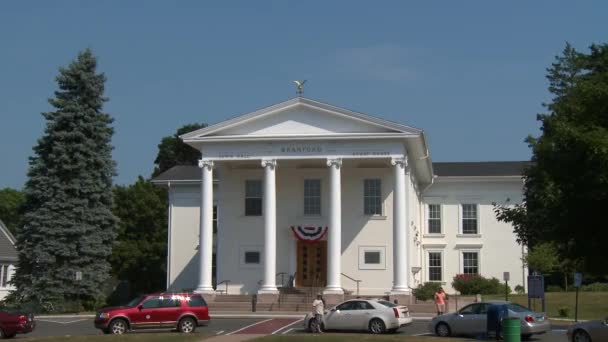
<point x="325" y="197"/>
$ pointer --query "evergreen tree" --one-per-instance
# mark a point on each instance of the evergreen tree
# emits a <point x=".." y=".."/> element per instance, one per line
<point x="69" y="226"/>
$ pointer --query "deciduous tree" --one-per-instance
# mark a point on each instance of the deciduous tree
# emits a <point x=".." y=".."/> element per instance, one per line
<point x="566" y="188"/>
<point x="11" y="203"/>
<point x="172" y="150"/>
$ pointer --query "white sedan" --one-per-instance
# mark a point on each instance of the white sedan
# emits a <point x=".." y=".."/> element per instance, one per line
<point x="376" y="316"/>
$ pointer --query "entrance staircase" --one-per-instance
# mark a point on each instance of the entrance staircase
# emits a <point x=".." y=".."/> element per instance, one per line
<point x="293" y="300"/>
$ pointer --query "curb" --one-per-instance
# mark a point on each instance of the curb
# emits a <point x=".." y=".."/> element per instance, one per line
<point x="226" y="315"/>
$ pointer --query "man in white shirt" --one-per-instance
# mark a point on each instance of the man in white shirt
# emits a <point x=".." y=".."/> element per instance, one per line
<point x="318" y="307"/>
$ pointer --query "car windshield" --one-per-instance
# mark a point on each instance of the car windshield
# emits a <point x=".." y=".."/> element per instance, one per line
<point x="387" y="304"/>
<point x="135" y="301"/>
<point x="518" y="308"/>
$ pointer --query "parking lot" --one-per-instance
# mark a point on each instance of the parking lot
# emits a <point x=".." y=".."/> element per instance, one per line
<point x="62" y="326"/>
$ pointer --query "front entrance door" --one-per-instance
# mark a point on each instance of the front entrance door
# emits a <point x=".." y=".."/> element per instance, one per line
<point x="312" y="264"/>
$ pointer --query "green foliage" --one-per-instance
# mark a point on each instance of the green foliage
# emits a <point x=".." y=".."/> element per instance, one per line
<point x="11" y="203"/>
<point x="426" y="291"/>
<point x="172" y="150"/>
<point x="542" y="257"/>
<point x="566" y="187"/>
<point x="554" y="288"/>
<point x="595" y="287"/>
<point x="472" y="284"/>
<point x="140" y="252"/>
<point x="519" y="289"/>
<point x="563" y="311"/>
<point x="69" y="226"/>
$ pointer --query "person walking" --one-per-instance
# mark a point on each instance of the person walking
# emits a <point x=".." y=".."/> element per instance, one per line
<point x="318" y="307"/>
<point x="440" y="301"/>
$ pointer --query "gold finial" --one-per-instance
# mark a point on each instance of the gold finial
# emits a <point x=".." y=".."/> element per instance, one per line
<point x="300" y="85"/>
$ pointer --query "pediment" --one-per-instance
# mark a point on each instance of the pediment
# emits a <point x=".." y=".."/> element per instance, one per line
<point x="299" y="117"/>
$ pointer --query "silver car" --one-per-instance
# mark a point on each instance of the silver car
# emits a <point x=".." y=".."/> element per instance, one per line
<point x="591" y="331"/>
<point x="376" y="316"/>
<point x="472" y="320"/>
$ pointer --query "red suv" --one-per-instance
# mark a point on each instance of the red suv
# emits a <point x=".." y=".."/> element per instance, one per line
<point x="181" y="311"/>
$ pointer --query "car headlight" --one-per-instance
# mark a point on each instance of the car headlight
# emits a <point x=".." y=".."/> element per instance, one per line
<point x="104" y="315"/>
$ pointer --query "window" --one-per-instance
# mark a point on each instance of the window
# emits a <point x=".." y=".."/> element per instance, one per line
<point x="196" y="301"/>
<point x="253" y="198"/>
<point x="435" y="266"/>
<point x="372" y="197"/>
<point x="470" y="262"/>
<point x="372" y="257"/>
<point x="469" y="219"/>
<point x="169" y="302"/>
<point x="434" y="218"/>
<point x="214" y="219"/>
<point x="4" y="269"/>
<point x="252" y="257"/>
<point x="151" y="303"/>
<point x="312" y="197"/>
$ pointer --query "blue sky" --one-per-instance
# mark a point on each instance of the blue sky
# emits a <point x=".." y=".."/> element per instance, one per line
<point x="470" y="73"/>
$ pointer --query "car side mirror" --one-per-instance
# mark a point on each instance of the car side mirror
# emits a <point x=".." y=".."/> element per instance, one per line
<point x="606" y="321"/>
<point x="140" y="307"/>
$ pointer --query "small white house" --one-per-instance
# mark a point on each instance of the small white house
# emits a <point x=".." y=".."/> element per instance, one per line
<point x="336" y="199"/>
<point x="8" y="259"/>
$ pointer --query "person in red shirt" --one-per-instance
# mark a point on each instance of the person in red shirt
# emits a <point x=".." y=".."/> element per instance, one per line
<point x="440" y="301"/>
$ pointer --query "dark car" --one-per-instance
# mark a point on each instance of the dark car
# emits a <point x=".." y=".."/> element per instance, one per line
<point x="181" y="311"/>
<point x="13" y="322"/>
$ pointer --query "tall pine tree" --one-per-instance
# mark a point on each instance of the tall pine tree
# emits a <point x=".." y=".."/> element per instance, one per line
<point x="69" y="228"/>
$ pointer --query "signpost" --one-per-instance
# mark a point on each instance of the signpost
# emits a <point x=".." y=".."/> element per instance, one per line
<point x="536" y="289"/>
<point x="505" y="277"/>
<point x="578" y="281"/>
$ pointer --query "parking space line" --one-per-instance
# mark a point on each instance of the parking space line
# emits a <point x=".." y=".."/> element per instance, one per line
<point x="219" y="332"/>
<point x="249" y="326"/>
<point x="68" y="322"/>
<point x="287" y="331"/>
<point x="288" y="325"/>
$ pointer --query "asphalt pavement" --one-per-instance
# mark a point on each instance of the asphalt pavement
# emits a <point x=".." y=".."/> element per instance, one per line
<point x="62" y="326"/>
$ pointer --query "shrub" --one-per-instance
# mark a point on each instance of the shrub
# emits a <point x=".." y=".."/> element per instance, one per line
<point x="563" y="311"/>
<point x="471" y="284"/>
<point x="595" y="287"/>
<point x="554" y="288"/>
<point x="426" y="291"/>
<point x="519" y="289"/>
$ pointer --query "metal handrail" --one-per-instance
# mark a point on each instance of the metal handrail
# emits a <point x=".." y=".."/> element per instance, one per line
<point x="223" y="282"/>
<point x="353" y="279"/>
<point x="282" y="274"/>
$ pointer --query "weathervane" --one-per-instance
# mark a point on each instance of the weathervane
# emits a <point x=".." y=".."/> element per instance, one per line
<point x="300" y="85"/>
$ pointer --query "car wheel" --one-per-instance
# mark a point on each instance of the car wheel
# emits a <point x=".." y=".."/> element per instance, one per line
<point x="10" y="336"/>
<point x="118" y="326"/>
<point x="581" y="336"/>
<point x="526" y="337"/>
<point x="186" y="325"/>
<point x="443" y="330"/>
<point x="376" y="326"/>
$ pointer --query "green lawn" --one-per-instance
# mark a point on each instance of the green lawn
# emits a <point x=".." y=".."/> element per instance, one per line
<point x="140" y="337"/>
<point x="591" y="305"/>
<point x="354" y="337"/>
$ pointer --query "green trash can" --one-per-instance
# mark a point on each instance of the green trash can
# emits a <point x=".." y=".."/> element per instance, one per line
<point x="511" y="329"/>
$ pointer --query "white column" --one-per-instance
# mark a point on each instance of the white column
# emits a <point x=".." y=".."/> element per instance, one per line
<point x="270" y="229"/>
<point x="334" y="243"/>
<point x="205" y="246"/>
<point x="400" y="226"/>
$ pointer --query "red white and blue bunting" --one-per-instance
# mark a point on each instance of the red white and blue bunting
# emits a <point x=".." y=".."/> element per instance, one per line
<point x="309" y="234"/>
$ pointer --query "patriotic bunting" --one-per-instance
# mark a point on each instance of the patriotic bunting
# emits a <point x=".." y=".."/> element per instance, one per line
<point x="309" y="234"/>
